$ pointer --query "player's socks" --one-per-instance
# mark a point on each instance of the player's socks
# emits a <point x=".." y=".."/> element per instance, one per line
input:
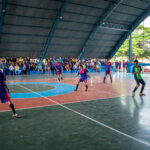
<point x="77" y="87"/>
<point x="86" y="87"/>
<point x="142" y="88"/>
<point x="135" y="89"/>
<point x="12" y="108"/>
<point x="104" y="79"/>
<point x="61" y="78"/>
<point x="111" y="79"/>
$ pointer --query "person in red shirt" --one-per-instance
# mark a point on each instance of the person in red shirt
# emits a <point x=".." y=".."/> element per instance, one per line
<point x="107" y="68"/>
<point x="84" y="73"/>
<point x="59" y="70"/>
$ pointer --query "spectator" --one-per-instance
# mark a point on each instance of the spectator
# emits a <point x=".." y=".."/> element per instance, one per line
<point x="24" y="69"/>
<point x="20" y="65"/>
<point x="17" y="70"/>
<point x="98" y="66"/>
<point x="40" y="68"/>
<point x="11" y="68"/>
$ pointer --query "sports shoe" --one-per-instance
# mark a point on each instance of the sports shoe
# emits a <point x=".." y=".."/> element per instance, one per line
<point x="142" y="94"/>
<point x="133" y="94"/>
<point x="15" y="116"/>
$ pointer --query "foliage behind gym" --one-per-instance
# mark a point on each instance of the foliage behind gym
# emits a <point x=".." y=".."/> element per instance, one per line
<point x="140" y="44"/>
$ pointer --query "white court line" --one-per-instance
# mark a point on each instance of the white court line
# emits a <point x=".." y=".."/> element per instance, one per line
<point x="67" y="103"/>
<point x="30" y="108"/>
<point x="98" y="122"/>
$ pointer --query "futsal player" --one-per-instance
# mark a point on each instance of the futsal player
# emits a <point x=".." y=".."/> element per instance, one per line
<point x="119" y="63"/>
<point x="116" y="65"/>
<point x="53" y="66"/>
<point x="59" y="70"/>
<point x="124" y="65"/>
<point x="84" y="73"/>
<point x="4" y="94"/>
<point x="138" y="78"/>
<point x="107" y="68"/>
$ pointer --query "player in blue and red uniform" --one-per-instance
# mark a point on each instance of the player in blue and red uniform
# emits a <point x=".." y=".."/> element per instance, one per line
<point x="124" y="66"/>
<point x="119" y="64"/>
<point x="59" y="70"/>
<point x="53" y="66"/>
<point x="116" y="65"/>
<point x="84" y="73"/>
<point x="107" y="68"/>
<point x="4" y="93"/>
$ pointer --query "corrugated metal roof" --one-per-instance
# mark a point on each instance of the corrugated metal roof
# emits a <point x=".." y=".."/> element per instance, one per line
<point x="27" y="25"/>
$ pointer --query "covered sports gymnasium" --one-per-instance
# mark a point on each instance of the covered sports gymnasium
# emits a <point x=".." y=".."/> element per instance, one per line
<point x="53" y="116"/>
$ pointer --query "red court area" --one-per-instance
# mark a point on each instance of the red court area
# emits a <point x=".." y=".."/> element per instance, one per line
<point x="97" y="90"/>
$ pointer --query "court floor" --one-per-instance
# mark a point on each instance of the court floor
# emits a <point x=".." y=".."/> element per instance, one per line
<point x="55" y="117"/>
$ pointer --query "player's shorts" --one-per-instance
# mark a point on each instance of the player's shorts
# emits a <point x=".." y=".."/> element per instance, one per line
<point x="119" y="66"/>
<point x="83" y="80"/>
<point x="4" y="97"/>
<point x="59" y="72"/>
<point x="107" y="72"/>
<point x="138" y="81"/>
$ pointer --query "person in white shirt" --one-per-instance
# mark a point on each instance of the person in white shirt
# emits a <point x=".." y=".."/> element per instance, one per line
<point x="98" y="66"/>
<point x="11" y="68"/>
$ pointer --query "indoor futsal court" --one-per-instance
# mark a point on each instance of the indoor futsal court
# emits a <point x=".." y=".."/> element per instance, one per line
<point x="70" y="72"/>
<point x="56" y="117"/>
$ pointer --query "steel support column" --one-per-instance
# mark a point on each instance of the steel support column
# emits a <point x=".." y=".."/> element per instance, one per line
<point x="139" y="19"/>
<point x="130" y="49"/>
<point x="3" y="10"/>
<point x="100" y="22"/>
<point x="52" y="31"/>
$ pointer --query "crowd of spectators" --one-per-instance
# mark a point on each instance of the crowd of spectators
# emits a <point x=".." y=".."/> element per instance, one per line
<point x="17" y="66"/>
<point x="20" y="65"/>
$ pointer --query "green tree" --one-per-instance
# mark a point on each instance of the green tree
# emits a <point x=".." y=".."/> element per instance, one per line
<point x="140" y="44"/>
